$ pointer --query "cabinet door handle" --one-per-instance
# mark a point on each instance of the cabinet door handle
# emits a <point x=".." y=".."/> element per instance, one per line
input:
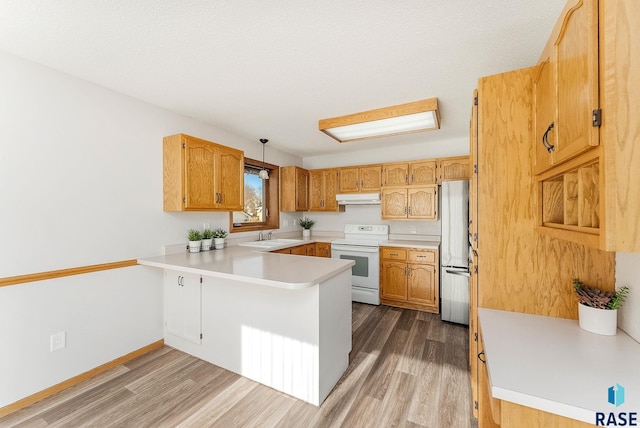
<point x="481" y="357"/>
<point x="412" y="180"/>
<point x="409" y="209"/>
<point x="393" y="254"/>
<point x="406" y="178"/>
<point x="361" y="184"/>
<point x="545" y="139"/>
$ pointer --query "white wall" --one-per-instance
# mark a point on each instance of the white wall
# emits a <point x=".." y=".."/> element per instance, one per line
<point x="628" y="273"/>
<point x="81" y="183"/>
<point x="428" y="150"/>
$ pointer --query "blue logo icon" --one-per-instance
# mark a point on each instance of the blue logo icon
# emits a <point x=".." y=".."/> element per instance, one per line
<point x="616" y="395"/>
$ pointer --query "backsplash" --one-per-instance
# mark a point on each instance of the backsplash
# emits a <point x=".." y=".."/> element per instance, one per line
<point x="370" y="214"/>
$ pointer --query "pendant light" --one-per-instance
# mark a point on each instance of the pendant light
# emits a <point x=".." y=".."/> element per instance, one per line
<point x="263" y="174"/>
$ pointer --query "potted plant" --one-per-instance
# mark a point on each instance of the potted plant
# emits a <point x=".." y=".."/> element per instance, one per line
<point x="306" y="224"/>
<point x="597" y="309"/>
<point x="195" y="240"/>
<point x="207" y="239"/>
<point x="218" y="238"/>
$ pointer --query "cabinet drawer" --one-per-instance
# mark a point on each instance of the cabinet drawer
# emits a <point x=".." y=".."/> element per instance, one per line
<point x="394" y="254"/>
<point x="422" y="256"/>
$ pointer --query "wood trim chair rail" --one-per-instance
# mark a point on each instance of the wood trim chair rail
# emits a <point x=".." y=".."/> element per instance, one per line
<point x="40" y="276"/>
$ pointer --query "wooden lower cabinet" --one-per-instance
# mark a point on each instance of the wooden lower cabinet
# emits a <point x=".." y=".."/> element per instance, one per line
<point x="323" y="249"/>
<point x="300" y="250"/>
<point x="409" y="278"/>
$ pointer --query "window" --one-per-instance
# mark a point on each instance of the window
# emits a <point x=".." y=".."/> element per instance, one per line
<point x="260" y="199"/>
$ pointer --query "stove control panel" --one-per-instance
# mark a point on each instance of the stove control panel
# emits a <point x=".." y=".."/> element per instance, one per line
<point x="367" y="229"/>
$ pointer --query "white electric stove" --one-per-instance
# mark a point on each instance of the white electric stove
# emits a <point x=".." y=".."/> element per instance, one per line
<point x="361" y="244"/>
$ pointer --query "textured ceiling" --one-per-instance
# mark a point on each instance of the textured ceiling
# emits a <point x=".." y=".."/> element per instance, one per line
<point x="274" y="68"/>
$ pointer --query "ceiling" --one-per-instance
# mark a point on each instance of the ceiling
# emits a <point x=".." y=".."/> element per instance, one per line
<point x="273" y="68"/>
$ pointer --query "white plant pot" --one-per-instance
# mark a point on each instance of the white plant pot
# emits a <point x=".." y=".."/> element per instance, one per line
<point x="206" y="244"/>
<point x="219" y="243"/>
<point x="598" y="321"/>
<point x="306" y="233"/>
<point x="194" y="246"/>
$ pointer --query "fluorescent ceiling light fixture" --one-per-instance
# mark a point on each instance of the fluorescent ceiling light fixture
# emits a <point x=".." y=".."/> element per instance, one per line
<point x="417" y="116"/>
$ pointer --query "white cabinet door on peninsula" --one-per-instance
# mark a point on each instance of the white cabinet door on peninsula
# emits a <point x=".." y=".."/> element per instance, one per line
<point x="182" y="305"/>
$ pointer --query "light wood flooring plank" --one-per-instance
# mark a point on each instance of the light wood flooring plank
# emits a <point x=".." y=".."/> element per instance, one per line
<point x="394" y="412"/>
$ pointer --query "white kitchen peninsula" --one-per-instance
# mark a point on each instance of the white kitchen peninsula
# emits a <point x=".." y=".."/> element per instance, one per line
<point x="279" y="319"/>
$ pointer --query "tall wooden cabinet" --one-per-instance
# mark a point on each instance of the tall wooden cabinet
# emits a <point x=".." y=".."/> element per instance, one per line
<point x="199" y="175"/>
<point x="294" y="189"/>
<point x="517" y="269"/>
<point x="323" y="186"/>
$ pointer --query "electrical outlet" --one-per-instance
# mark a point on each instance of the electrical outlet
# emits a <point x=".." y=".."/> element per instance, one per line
<point x="58" y="341"/>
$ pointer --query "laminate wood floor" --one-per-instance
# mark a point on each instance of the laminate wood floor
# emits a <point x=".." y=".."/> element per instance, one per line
<point x="407" y="369"/>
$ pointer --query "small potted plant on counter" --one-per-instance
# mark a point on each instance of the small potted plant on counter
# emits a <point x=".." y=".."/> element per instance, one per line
<point x="195" y="240"/>
<point x="218" y="238"/>
<point x="306" y="224"/>
<point x="207" y="239"/>
<point x="597" y="309"/>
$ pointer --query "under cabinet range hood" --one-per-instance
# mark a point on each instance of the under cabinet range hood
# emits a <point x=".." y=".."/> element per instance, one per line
<point x="358" y="199"/>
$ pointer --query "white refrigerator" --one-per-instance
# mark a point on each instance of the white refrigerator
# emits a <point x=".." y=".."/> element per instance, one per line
<point x="454" y="251"/>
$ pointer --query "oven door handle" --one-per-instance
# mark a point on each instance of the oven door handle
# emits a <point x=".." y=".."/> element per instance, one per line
<point x="353" y="248"/>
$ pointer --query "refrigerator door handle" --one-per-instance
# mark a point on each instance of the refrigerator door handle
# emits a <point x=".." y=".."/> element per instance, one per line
<point x="458" y="272"/>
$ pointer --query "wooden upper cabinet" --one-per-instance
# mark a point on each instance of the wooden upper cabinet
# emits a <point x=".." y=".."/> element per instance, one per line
<point x="349" y="181"/>
<point x="422" y="172"/>
<point x="316" y="189"/>
<point x="199" y="175"/>
<point x="545" y="109"/>
<point x="566" y="88"/>
<point x="426" y="172"/>
<point x="323" y="186"/>
<point x="410" y="203"/>
<point x="370" y="178"/>
<point x="230" y="176"/>
<point x="294" y="189"/>
<point x="394" y="203"/>
<point x="366" y="178"/>
<point x="422" y="203"/>
<point x="577" y="81"/>
<point x="395" y="174"/>
<point x="457" y="168"/>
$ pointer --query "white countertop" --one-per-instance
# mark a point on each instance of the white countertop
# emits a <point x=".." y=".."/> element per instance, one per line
<point x="427" y="245"/>
<point x="255" y="265"/>
<point x="551" y="364"/>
